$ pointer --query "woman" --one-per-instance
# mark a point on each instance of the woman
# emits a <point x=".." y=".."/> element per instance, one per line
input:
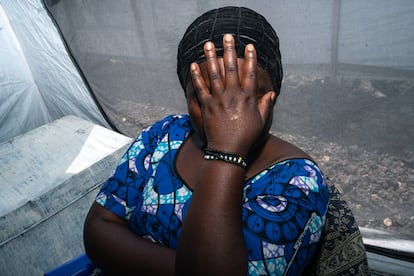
<point x="213" y="192"/>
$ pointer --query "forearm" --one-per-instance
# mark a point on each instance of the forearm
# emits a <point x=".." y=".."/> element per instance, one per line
<point x="119" y="251"/>
<point x="212" y="242"/>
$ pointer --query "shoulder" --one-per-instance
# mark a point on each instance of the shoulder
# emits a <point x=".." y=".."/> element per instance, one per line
<point x="293" y="186"/>
<point x="175" y="126"/>
<point x="284" y="207"/>
<point x="287" y="168"/>
<point x="169" y="123"/>
<point x="297" y="170"/>
<point x="172" y="128"/>
<point x="272" y="151"/>
<point x="283" y="150"/>
<point x="292" y="172"/>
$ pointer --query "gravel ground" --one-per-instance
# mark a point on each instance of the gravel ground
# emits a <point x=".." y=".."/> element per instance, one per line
<point x="360" y="132"/>
<point x="378" y="187"/>
<point x="364" y="142"/>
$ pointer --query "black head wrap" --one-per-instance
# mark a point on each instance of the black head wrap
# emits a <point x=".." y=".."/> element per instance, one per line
<point x="245" y="25"/>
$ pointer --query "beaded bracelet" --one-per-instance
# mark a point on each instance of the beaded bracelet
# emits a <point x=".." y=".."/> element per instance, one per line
<point x="233" y="158"/>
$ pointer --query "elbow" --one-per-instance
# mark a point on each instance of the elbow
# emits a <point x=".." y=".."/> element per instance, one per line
<point x="89" y="237"/>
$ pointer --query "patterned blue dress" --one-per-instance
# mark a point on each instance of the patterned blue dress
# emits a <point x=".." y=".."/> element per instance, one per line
<point x="284" y="206"/>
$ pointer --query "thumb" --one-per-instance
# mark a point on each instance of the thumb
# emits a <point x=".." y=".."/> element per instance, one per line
<point x="266" y="104"/>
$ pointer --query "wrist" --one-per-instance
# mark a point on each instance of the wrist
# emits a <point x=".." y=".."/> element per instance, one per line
<point x="229" y="147"/>
<point x="228" y="157"/>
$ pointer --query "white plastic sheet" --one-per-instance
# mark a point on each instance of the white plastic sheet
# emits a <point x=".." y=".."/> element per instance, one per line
<point x="38" y="80"/>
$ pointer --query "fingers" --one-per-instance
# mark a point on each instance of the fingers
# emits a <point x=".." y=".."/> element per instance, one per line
<point x="230" y="61"/>
<point x="199" y="84"/>
<point x="217" y="80"/>
<point x="213" y="68"/>
<point x="249" y="79"/>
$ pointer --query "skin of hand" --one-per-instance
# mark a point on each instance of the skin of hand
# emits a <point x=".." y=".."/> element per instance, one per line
<point x="231" y="109"/>
<point x="231" y="114"/>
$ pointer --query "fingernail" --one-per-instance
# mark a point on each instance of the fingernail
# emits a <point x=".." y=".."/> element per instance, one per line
<point x="273" y="96"/>
<point x="208" y="46"/>
<point x="228" y="37"/>
<point x="193" y="67"/>
<point x="250" y="50"/>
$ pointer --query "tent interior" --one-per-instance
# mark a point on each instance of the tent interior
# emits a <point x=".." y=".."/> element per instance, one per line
<point x="347" y="96"/>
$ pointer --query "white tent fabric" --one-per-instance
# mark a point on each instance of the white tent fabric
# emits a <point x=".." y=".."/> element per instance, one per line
<point x="38" y="80"/>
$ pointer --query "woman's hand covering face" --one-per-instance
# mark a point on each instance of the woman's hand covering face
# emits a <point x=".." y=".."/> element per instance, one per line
<point x="233" y="115"/>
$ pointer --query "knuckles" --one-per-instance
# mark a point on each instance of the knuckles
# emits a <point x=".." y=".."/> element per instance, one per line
<point x="225" y="81"/>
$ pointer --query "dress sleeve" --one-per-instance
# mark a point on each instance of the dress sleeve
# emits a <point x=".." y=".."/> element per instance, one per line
<point x="284" y="215"/>
<point x="121" y="193"/>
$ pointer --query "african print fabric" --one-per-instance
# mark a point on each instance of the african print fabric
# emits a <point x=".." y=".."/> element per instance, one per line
<point x="284" y="206"/>
<point x="342" y="251"/>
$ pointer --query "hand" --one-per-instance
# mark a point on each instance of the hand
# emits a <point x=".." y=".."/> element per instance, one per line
<point x="233" y="116"/>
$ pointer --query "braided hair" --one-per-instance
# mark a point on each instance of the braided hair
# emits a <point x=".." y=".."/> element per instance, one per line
<point x="246" y="26"/>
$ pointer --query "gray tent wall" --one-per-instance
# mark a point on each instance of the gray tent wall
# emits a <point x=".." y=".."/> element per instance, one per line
<point x="127" y="49"/>
<point x="38" y="80"/>
<point x="39" y="83"/>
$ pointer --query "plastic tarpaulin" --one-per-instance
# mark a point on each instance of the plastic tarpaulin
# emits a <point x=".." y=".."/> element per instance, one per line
<point x="38" y="80"/>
